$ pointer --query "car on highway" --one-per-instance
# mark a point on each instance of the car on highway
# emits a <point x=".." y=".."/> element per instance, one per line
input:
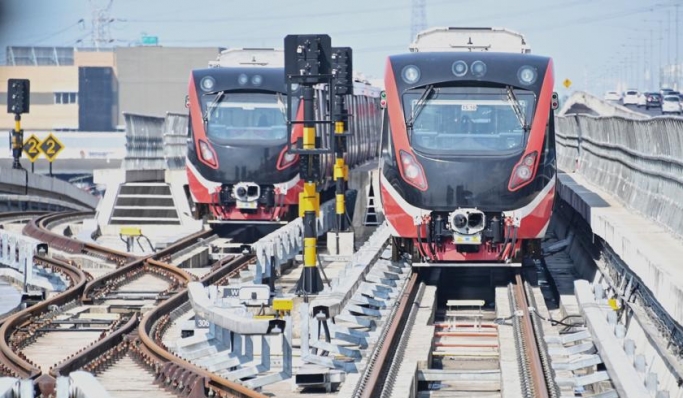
<point x="630" y="97"/>
<point x="612" y="96"/>
<point x="671" y="104"/>
<point x="652" y="100"/>
<point x="665" y="91"/>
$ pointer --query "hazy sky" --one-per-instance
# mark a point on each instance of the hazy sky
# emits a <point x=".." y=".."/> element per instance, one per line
<point x="588" y="39"/>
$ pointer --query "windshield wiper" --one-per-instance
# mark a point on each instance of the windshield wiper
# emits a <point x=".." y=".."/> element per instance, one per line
<point x="518" y="109"/>
<point x="281" y="105"/>
<point x="420" y="104"/>
<point x="212" y="105"/>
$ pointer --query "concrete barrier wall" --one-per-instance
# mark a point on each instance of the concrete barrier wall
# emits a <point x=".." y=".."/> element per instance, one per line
<point x="638" y="162"/>
<point x="175" y="140"/>
<point x="13" y="181"/>
<point x="144" y="142"/>
<point x="155" y="143"/>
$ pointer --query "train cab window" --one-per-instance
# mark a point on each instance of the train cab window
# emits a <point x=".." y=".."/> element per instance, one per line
<point x="468" y="119"/>
<point x="245" y="116"/>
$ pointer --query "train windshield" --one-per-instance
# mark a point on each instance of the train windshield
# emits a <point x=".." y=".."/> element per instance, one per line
<point x="446" y="120"/>
<point x="232" y="117"/>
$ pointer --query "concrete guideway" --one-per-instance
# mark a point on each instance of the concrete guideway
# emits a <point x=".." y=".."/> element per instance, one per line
<point x="52" y="190"/>
<point x="648" y="249"/>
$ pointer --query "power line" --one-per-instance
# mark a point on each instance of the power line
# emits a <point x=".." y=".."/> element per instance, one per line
<point x="280" y="17"/>
<point x="418" y="18"/>
<point x="101" y="32"/>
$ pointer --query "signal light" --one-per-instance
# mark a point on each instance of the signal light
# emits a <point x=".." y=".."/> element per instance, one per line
<point x="308" y="57"/>
<point x="555" y="101"/>
<point x="383" y="99"/>
<point x="18" y="96"/>
<point x="342" y="70"/>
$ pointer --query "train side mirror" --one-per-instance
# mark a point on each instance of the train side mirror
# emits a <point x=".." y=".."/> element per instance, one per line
<point x="187" y="101"/>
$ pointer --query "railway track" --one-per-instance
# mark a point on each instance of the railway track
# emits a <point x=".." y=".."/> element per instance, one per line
<point x="127" y="333"/>
<point x="466" y="342"/>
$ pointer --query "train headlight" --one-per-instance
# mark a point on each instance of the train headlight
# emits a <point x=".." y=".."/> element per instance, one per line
<point x="410" y="74"/>
<point x="242" y="79"/>
<point x="412" y="171"/>
<point x="207" y="83"/>
<point x="256" y="80"/>
<point x="459" y="68"/>
<point x="241" y="192"/>
<point x="286" y="159"/>
<point x="478" y="68"/>
<point x="207" y="154"/>
<point x="523" y="172"/>
<point x="527" y="75"/>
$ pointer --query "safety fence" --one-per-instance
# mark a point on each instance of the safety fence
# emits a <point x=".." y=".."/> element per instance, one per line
<point x="155" y="143"/>
<point x="639" y="162"/>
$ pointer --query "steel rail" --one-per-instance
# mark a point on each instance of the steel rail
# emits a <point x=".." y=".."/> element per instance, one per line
<point x="20" y="366"/>
<point x="373" y="378"/>
<point x="166" y="363"/>
<point x="531" y="349"/>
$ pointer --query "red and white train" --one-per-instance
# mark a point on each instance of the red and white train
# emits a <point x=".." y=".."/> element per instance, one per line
<point x="238" y="167"/>
<point x="467" y="165"/>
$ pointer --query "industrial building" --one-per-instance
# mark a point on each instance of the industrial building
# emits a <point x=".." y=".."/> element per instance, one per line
<point x="86" y="89"/>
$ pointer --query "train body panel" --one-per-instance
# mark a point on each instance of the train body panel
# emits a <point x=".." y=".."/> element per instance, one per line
<point x="237" y="162"/>
<point x="467" y="167"/>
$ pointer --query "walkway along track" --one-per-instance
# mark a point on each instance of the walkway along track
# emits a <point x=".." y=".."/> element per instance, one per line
<point x="145" y="348"/>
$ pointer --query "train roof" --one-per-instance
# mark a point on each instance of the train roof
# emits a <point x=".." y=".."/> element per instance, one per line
<point x="440" y="67"/>
<point x="250" y="57"/>
<point x="271" y="79"/>
<point x="470" y="39"/>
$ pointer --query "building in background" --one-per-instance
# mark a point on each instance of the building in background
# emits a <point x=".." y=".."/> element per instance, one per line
<point x="76" y="89"/>
<point x="671" y="76"/>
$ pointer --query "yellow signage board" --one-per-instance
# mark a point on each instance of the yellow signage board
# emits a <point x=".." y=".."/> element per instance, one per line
<point x="51" y="147"/>
<point x="32" y="148"/>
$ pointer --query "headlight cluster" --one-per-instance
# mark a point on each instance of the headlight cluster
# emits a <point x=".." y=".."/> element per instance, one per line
<point x="243" y="79"/>
<point x="208" y="83"/>
<point x="526" y="75"/>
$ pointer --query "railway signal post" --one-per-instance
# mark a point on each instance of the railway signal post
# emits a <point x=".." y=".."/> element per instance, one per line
<point x="18" y="101"/>
<point x="308" y="63"/>
<point x="342" y="72"/>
